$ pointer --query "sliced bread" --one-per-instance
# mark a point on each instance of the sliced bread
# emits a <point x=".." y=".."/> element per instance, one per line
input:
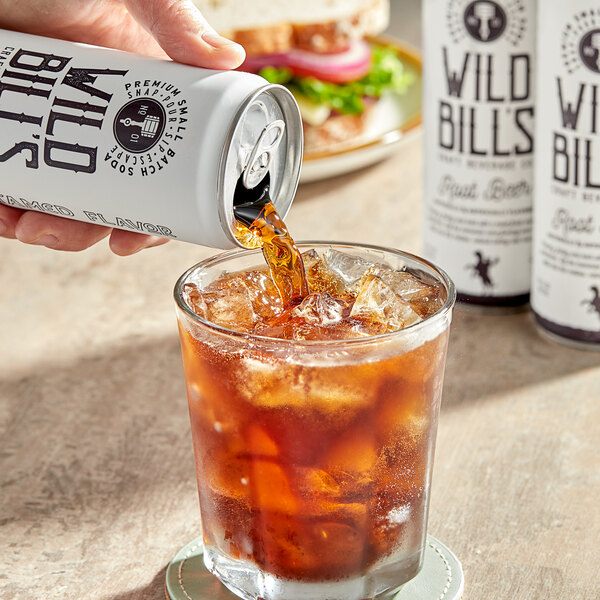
<point x="274" y="26"/>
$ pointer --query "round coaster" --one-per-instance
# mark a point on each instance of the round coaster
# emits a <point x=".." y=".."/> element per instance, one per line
<point x="441" y="577"/>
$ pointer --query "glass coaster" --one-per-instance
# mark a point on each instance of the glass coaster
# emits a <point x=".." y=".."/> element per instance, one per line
<point x="441" y="577"/>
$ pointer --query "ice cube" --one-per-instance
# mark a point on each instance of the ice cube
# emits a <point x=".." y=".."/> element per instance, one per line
<point x="339" y="546"/>
<point x="226" y="473"/>
<point x="263" y="293"/>
<point x="425" y="298"/>
<point x="222" y="461"/>
<point x="321" y="279"/>
<point x="348" y="267"/>
<point x="316" y="483"/>
<point x="232" y="309"/>
<point x="331" y="495"/>
<point x="289" y="328"/>
<point x="260" y="443"/>
<point x="354" y="451"/>
<point x="317" y="317"/>
<point x="404" y="408"/>
<point x="380" y="308"/>
<point x="270" y="488"/>
<point x="195" y="300"/>
<point x="403" y="283"/>
<point x="320" y="309"/>
<point x="310" y="548"/>
<point x="238" y="301"/>
<point x="325" y="392"/>
<point x="309" y="258"/>
<point x="336" y="273"/>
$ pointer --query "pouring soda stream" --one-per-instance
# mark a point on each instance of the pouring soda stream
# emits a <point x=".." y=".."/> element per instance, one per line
<point x="258" y="225"/>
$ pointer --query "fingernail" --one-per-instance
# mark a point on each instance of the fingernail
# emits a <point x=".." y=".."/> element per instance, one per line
<point x="138" y="248"/>
<point x="218" y="41"/>
<point x="50" y="241"/>
<point x="3" y="227"/>
<point x="152" y="242"/>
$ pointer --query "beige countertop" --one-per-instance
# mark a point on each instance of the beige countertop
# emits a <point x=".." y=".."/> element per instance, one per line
<point x="97" y="489"/>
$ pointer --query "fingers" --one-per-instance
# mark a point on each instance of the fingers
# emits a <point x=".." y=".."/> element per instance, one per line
<point x="9" y="217"/>
<point x="56" y="232"/>
<point x="184" y="34"/>
<point x="125" y="243"/>
<point x="41" y="229"/>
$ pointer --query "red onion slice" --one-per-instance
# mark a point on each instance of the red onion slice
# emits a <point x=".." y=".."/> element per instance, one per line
<point x="339" y="67"/>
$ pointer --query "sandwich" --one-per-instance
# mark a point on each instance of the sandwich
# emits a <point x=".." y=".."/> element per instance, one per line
<point x="318" y="50"/>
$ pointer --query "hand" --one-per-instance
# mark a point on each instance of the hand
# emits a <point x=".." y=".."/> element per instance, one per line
<point x="154" y="27"/>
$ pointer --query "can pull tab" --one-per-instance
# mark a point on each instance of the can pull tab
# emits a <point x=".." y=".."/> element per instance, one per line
<point x="260" y="157"/>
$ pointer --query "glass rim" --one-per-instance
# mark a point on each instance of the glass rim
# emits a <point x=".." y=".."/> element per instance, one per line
<point x="223" y="257"/>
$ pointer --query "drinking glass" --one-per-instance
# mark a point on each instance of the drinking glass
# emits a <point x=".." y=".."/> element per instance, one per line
<point x="314" y="458"/>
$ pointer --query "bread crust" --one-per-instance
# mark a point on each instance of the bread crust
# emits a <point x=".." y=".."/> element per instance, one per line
<point x="338" y="129"/>
<point x="274" y="39"/>
<point x="333" y="36"/>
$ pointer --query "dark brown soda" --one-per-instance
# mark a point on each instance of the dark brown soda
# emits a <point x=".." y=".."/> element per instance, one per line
<point x="259" y="225"/>
<point x="319" y="480"/>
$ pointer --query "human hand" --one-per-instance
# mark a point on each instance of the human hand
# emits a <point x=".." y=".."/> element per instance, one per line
<point x="160" y="28"/>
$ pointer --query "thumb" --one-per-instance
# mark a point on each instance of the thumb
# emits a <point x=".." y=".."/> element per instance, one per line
<point x="184" y="34"/>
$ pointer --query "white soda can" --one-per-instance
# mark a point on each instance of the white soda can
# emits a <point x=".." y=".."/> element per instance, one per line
<point x="478" y="106"/>
<point x="137" y="143"/>
<point x="565" y="294"/>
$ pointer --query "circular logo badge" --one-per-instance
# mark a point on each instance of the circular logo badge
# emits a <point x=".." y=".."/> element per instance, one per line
<point x="589" y="50"/>
<point x="139" y="124"/>
<point x="485" y="20"/>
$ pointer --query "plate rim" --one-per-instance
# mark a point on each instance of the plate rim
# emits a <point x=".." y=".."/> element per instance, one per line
<point x="408" y="53"/>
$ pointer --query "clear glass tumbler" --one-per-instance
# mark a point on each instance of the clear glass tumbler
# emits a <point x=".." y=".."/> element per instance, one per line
<point x="314" y="458"/>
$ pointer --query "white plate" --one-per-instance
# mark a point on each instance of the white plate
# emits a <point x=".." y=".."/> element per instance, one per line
<point x="394" y="120"/>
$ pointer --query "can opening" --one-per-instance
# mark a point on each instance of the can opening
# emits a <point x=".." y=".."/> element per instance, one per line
<point x="263" y="148"/>
<point x="249" y="202"/>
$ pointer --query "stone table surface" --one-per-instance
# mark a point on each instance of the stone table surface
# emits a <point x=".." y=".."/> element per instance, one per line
<point x="97" y="489"/>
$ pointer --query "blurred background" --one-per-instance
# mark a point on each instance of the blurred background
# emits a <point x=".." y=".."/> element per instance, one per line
<point x="405" y="20"/>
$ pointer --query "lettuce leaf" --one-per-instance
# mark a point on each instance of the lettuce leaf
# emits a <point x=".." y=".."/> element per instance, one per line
<point x="387" y="74"/>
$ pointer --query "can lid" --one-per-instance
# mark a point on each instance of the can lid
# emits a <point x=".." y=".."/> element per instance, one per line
<point x="265" y="137"/>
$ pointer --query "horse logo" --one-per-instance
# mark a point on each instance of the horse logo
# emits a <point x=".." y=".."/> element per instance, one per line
<point x="481" y="269"/>
<point x="593" y="304"/>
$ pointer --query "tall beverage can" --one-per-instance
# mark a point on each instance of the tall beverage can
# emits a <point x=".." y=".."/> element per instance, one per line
<point x="566" y="258"/>
<point x="138" y="143"/>
<point x="478" y="104"/>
